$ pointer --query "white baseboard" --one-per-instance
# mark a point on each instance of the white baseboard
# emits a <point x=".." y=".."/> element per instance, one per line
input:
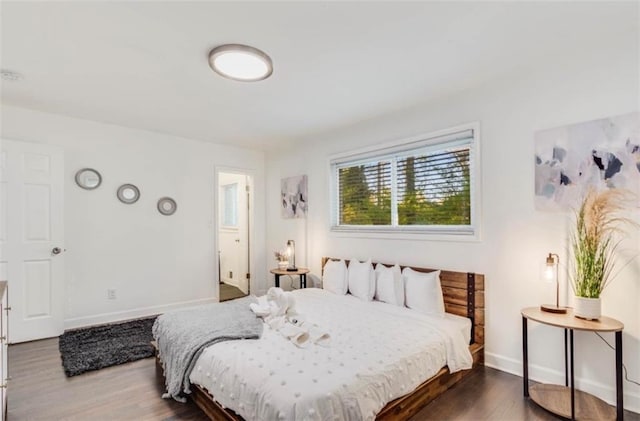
<point x="545" y="375"/>
<point x="118" y="316"/>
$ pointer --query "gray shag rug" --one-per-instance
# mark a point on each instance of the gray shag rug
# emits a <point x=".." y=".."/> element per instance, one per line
<point x="97" y="347"/>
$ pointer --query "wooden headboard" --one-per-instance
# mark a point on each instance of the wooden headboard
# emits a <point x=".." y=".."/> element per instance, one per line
<point x="463" y="294"/>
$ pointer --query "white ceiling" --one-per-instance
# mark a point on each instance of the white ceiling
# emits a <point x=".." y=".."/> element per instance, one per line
<point x="144" y="64"/>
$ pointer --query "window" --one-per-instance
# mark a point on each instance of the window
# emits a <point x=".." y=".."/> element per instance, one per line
<point x="423" y="186"/>
<point x="230" y="205"/>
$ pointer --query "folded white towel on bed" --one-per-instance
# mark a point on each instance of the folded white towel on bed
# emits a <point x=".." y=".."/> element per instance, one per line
<point x="261" y="308"/>
<point x="277" y="308"/>
<point x="276" y="303"/>
<point x="281" y="302"/>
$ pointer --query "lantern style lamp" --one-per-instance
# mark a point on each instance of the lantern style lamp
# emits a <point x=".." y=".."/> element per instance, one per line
<point x="551" y="274"/>
<point x="291" y="252"/>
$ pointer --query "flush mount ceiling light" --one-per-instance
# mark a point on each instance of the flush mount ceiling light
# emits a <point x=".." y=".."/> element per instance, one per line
<point x="240" y="62"/>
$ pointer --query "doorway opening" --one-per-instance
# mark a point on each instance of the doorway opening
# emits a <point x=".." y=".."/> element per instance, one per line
<point x="234" y="223"/>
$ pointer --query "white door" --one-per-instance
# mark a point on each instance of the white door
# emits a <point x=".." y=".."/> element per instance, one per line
<point x="31" y="238"/>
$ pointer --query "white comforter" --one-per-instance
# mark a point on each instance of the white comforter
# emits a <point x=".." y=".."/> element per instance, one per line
<point x="378" y="352"/>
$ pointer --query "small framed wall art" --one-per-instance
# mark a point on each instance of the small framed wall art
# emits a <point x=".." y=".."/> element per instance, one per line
<point x="293" y="195"/>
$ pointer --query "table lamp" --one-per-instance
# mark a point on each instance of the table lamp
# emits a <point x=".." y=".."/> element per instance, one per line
<point x="550" y="274"/>
<point x="291" y="252"/>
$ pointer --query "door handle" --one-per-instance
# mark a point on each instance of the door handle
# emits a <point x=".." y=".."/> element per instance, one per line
<point x="56" y="251"/>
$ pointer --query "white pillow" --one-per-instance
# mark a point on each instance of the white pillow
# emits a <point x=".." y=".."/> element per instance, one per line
<point x="423" y="292"/>
<point x="389" y="286"/>
<point x="334" y="277"/>
<point x="362" y="280"/>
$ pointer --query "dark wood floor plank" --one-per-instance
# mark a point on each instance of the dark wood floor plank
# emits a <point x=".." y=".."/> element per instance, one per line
<point x="39" y="390"/>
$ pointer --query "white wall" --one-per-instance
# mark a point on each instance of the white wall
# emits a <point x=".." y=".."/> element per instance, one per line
<point x="580" y="86"/>
<point x="154" y="262"/>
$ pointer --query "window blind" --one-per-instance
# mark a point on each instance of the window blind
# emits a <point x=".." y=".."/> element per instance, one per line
<point x="365" y="194"/>
<point x="421" y="184"/>
<point x="434" y="189"/>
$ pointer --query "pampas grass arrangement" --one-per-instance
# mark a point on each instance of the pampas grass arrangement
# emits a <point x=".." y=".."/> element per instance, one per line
<point x="595" y="240"/>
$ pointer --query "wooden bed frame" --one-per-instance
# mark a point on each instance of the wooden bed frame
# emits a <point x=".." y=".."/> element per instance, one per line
<point x="463" y="296"/>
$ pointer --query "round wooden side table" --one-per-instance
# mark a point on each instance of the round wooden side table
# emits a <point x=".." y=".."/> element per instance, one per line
<point x="566" y="401"/>
<point x="301" y="272"/>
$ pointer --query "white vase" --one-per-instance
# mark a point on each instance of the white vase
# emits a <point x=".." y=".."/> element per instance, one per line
<point x="283" y="265"/>
<point x="587" y="308"/>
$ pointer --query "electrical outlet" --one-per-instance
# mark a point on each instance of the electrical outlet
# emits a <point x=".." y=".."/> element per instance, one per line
<point x="111" y="294"/>
<point x="231" y="274"/>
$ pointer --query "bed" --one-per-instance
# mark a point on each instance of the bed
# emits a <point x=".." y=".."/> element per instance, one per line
<point x="386" y="368"/>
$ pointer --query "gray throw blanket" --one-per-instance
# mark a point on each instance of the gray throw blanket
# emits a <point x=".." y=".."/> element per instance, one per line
<point x="183" y="335"/>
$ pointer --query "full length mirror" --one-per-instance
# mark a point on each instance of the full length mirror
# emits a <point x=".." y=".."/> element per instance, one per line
<point x="88" y="178"/>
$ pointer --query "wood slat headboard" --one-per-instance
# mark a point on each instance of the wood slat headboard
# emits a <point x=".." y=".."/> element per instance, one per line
<point x="463" y="294"/>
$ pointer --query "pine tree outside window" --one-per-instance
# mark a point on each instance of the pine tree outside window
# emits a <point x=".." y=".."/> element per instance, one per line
<point x="422" y="186"/>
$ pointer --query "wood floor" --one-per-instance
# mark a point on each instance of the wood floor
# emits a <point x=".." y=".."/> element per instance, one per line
<point x="39" y="390"/>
